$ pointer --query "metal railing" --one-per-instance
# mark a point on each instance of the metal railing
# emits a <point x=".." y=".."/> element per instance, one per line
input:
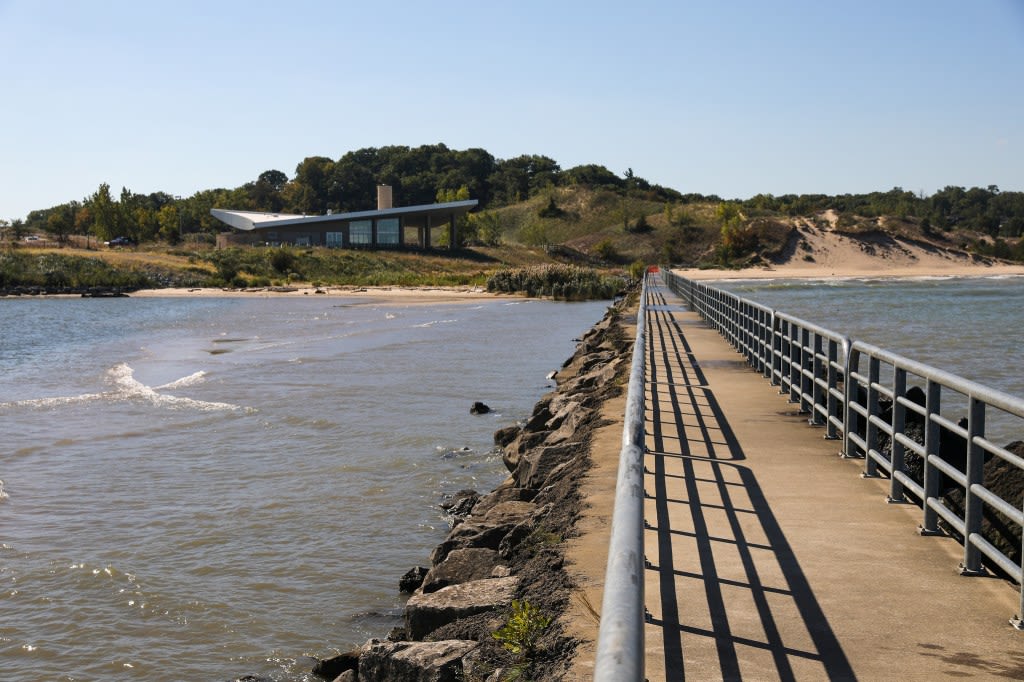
<point x="839" y="383"/>
<point x="620" y="644"/>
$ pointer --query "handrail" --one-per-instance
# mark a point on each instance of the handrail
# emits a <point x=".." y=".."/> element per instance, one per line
<point x="620" y="643"/>
<point x="821" y="370"/>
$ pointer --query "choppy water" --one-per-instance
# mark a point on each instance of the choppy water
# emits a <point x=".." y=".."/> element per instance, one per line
<point x="205" y="488"/>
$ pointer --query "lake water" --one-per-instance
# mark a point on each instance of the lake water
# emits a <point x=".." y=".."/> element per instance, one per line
<point x="205" y="488"/>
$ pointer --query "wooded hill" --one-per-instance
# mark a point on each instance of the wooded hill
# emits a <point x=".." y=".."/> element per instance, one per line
<point x="586" y="213"/>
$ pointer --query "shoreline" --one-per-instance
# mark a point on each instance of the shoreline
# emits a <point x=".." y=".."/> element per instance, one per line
<point x="393" y="294"/>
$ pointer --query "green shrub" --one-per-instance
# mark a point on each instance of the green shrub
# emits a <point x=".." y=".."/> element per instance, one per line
<point x="523" y="628"/>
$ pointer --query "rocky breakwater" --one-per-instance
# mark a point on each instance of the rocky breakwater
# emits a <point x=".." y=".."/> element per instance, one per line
<point x="500" y="569"/>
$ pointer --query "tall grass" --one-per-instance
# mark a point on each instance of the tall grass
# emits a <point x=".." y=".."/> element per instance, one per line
<point x="558" y="281"/>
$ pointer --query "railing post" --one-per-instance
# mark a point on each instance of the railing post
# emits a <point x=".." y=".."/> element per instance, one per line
<point x="794" y="363"/>
<point x="933" y="397"/>
<point x="851" y="418"/>
<point x="816" y="373"/>
<point x="776" y="379"/>
<point x="871" y="430"/>
<point x="898" y="424"/>
<point x="831" y="402"/>
<point x="1018" y="621"/>
<point x="975" y="475"/>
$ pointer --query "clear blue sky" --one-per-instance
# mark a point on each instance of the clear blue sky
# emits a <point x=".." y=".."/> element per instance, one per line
<point x="732" y="98"/>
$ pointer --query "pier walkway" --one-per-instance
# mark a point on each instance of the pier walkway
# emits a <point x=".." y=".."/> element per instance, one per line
<point x="770" y="557"/>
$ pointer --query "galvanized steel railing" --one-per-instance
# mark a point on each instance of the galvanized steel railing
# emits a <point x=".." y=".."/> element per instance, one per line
<point x="620" y="644"/>
<point x="839" y="384"/>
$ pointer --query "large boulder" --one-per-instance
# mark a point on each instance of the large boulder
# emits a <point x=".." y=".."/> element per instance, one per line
<point x="425" y="613"/>
<point x="413" y="661"/>
<point x="524" y="442"/>
<point x="461" y="504"/>
<point x="508" y="513"/>
<point x="461" y="566"/>
<point x="568" y="424"/>
<point x="470" y="534"/>
<point x="506" y="435"/>
<point x="506" y="492"/>
<point x="535" y="466"/>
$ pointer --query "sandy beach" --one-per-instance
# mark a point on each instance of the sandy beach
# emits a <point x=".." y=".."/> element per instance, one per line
<point x="392" y="294"/>
<point x="827" y="254"/>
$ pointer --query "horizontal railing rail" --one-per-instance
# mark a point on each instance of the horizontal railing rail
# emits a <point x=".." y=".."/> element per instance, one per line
<point x="876" y="402"/>
<point x="620" y="642"/>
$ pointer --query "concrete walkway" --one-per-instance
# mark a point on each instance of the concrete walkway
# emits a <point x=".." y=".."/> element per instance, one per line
<point x="770" y="558"/>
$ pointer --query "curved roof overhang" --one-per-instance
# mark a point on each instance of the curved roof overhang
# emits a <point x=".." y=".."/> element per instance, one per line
<point x="250" y="220"/>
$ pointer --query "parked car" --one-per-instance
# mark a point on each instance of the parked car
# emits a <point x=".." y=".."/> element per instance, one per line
<point x="120" y="241"/>
<point x="32" y="238"/>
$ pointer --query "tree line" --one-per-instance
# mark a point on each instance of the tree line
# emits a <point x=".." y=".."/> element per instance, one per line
<point x="424" y="174"/>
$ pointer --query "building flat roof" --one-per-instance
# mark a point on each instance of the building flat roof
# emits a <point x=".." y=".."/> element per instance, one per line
<point x="251" y="220"/>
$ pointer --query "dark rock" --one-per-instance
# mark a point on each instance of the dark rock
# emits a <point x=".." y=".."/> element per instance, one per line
<point x="413" y="661"/>
<point x="522" y="443"/>
<point x="330" y="668"/>
<point x="461" y="503"/>
<point x="506" y="435"/>
<point x="461" y="566"/>
<point x="424" y="613"/>
<point x="412" y="579"/>
<point x="540" y="416"/>
<point x="469" y="534"/>
<point x="479" y="408"/>
<point x="515" y="537"/>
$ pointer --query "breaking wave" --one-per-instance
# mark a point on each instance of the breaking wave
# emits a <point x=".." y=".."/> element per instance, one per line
<point x="127" y="388"/>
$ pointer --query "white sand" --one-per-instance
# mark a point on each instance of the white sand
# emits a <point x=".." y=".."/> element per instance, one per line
<point x="836" y="255"/>
<point x="404" y="295"/>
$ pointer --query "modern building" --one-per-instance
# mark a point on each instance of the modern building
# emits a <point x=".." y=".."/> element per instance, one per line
<point x="385" y="227"/>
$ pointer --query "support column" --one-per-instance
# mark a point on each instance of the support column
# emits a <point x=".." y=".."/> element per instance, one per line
<point x="453" y="235"/>
<point x="426" y="233"/>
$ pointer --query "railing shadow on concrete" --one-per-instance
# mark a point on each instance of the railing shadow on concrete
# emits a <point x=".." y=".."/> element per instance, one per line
<point x="720" y="549"/>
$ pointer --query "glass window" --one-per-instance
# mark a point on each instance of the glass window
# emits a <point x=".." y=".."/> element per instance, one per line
<point x="360" y="232"/>
<point x="388" y="231"/>
<point x="335" y="240"/>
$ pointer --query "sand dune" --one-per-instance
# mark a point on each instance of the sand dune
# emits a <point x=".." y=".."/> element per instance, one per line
<point x="820" y="252"/>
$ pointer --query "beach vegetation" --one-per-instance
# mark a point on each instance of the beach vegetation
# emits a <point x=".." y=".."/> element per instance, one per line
<point x="521" y="631"/>
<point x="557" y="281"/>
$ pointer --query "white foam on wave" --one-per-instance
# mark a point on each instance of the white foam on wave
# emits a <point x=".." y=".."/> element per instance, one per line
<point x="127" y="388"/>
<point x="433" y="322"/>
<point x="130" y="388"/>
<point x="190" y="380"/>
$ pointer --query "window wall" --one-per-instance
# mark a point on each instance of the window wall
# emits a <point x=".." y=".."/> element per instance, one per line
<point x="388" y="232"/>
<point x="360" y="232"/>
